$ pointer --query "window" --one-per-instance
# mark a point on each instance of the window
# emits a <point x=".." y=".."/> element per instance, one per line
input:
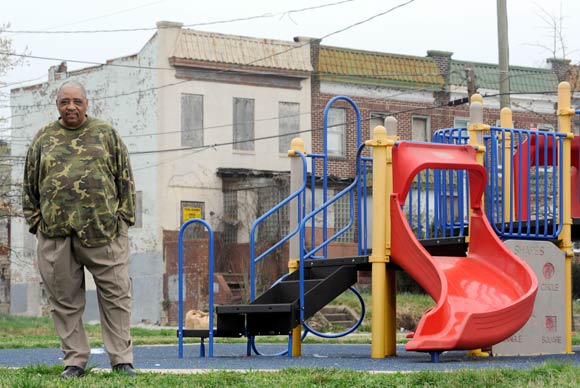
<point x="138" y="209"/>
<point x="288" y="124"/>
<point x="377" y="118"/>
<point x="276" y="225"/>
<point x="336" y="132"/>
<point x="243" y="124"/>
<point x="191" y="120"/>
<point x="461" y="122"/>
<point x="342" y="219"/>
<point x="230" y="217"/>
<point x="546" y="127"/>
<point x="420" y="130"/>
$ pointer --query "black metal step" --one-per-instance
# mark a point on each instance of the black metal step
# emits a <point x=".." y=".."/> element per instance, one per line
<point x="361" y="262"/>
<point x="445" y="246"/>
<point x="255" y="308"/>
<point x="277" y="311"/>
<point x="204" y="333"/>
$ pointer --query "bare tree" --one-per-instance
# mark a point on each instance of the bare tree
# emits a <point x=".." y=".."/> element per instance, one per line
<point x="7" y="192"/>
<point x="555" y="29"/>
<point x="7" y="60"/>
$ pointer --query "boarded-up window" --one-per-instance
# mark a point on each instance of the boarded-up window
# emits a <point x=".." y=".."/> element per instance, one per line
<point x="191" y="120"/>
<point x="243" y="124"/>
<point x="420" y="129"/>
<point x="138" y="209"/>
<point x="289" y="124"/>
<point x="336" y="132"/>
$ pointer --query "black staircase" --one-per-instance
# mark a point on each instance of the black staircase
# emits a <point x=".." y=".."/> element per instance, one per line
<point x="277" y="311"/>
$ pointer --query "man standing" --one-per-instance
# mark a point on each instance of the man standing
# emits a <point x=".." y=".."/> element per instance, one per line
<point x="79" y="200"/>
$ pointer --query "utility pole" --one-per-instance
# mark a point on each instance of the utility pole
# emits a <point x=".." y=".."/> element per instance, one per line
<point x="471" y="83"/>
<point x="503" y="47"/>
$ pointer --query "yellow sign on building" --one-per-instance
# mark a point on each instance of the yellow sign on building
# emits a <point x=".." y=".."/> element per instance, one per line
<point x="191" y="212"/>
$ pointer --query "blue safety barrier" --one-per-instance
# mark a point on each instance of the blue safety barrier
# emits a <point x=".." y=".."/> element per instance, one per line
<point x="531" y="208"/>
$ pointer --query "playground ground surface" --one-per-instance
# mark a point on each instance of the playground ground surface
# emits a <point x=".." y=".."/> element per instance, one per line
<point x="231" y="357"/>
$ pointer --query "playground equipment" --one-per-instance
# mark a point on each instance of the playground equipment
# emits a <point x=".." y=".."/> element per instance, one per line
<point x="482" y="297"/>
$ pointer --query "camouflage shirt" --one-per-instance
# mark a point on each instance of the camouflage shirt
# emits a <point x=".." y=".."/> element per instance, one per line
<point x="78" y="181"/>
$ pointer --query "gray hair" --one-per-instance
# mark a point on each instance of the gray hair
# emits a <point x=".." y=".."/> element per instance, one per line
<point x="74" y="83"/>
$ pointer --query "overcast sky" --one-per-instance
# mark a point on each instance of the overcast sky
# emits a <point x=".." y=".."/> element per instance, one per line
<point x="467" y="28"/>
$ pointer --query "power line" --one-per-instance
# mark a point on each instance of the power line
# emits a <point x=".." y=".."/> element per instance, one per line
<point x="368" y="19"/>
<point x="104" y="16"/>
<point x="249" y="63"/>
<point x="111" y="64"/>
<point x="460" y="101"/>
<point x="197" y="149"/>
<point x="215" y="145"/>
<point x="377" y="76"/>
<point x="248" y="18"/>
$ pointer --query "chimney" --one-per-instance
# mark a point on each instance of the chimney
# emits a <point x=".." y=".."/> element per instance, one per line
<point x="57" y="73"/>
<point x="560" y="67"/>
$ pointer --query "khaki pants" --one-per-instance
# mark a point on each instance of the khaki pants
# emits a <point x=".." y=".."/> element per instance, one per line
<point x="61" y="262"/>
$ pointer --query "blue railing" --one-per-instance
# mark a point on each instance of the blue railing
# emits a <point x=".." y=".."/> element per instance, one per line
<point x="304" y="254"/>
<point x="300" y="195"/>
<point x="437" y="206"/>
<point x="362" y="170"/>
<point x="324" y="174"/>
<point x="534" y="160"/>
<point x="210" y="286"/>
<point x="530" y="210"/>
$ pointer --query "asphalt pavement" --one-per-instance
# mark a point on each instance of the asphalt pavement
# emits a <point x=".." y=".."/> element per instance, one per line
<point x="232" y="357"/>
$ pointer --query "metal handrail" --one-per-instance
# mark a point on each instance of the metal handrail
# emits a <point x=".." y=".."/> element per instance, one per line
<point x="301" y="195"/>
<point x="180" y="283"/>
<point x="547" y="146"/>
<point x="305" y="255"/>
<point x="325" y="160"/>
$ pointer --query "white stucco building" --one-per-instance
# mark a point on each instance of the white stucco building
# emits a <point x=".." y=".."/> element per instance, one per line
<point x="187" y="104"/>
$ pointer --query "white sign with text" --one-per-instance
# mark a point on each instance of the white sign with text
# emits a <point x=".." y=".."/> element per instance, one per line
<point x="545" y="332"/>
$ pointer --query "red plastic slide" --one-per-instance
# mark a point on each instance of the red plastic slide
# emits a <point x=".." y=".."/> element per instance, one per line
<point x="481" y="299"/>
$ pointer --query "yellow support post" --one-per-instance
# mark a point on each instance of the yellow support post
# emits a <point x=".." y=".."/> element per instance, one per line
<point x="508" y="203"/>
<point x="379" y="259"/>
<point x="565" y="114"/>
<point x="391" y="296"/>
<point x="476" y="129"/>
<point x="293" y="265"/>
<point x="476" y="126"/>
<point x="296" y="179"/>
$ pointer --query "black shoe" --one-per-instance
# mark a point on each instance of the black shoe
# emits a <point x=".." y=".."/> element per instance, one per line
<point x="71" y="372"/>
<point x="125" y="369"/>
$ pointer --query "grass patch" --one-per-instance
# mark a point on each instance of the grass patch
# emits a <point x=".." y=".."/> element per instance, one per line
<point x="410" y="308"/>
<point x="548" y="375"/>
<point x="32" y="332"/>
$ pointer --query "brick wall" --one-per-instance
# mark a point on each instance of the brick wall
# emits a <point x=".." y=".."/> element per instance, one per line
<point x="195" y="275"/>
<point x="442" y="117"/>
